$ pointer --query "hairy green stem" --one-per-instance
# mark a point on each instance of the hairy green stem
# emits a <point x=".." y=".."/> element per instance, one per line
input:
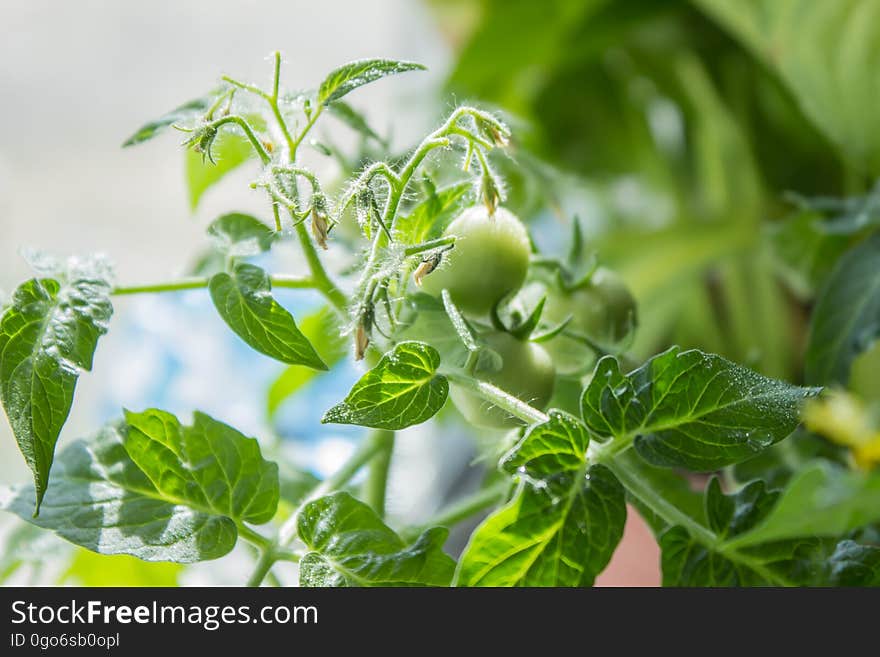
<point x="398" y="183"/>
<point x="242" y="123"/>
<point x="429" y="245"/>
<point x="244" y="86"/>
<point x="376" y="485"/>
<point x="276" y="551"/>
<point x="279" y="280"/>
<point x="320" y="278"/>
<point x="504" y="400"/>
<point x="276" y="109"/>
<point x="302" y="135"/>
<point x="462" y="509"/>
<point x="252" y="537"/>
<point x="362" y="455"/>
<point x="264" y="565"/>
<point x="171" y="286"/>
<point x="657" y="503"/>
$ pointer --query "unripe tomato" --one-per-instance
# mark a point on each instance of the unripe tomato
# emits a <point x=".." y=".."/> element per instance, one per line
<point x="603" y="309"/>
<point x="526" y="372"/>
<point x="490" y="259"/>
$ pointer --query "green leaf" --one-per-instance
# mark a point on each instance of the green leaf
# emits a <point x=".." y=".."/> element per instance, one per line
<point x="350" y="76"/>
<point x="686" y="561"/>
<point x="846" y="317"/>
<point x="403" y="389"/>
<point x="691" y="409"/>
<point x="806" y="250"/>
<point x="562" y="536"/>
<point x="185" y="112"/>
<point x="730" y="515"/>
<point x="855" y="565"/>
<point x="322" y="331"/>
<point x="430" y="217"/>
<point x="547" y="449"/>
<point x="47" y="337"/>
<point x="208" y="466"/>
<point x="353" y="119"/>
<point x="240" y="235"/>
<point x="564" y="522"/>
<point x="229" y="151"/>
<point x="826" y="54"/>
<point x="351" y="546"/>
<point x="245" y="302"/>
<point x="820" y="500"/>
<point x="100" y="499"/>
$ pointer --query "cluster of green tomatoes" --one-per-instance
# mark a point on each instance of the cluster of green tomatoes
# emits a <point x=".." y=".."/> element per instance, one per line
<point x="544" y="325"/>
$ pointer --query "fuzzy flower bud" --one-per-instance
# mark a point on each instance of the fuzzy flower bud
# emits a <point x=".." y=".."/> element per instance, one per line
<point x="320" y="225"/>
<point x="429" y="263"/>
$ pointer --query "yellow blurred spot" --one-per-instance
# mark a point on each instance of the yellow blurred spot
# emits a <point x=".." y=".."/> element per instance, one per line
<point x="843" y="419"/>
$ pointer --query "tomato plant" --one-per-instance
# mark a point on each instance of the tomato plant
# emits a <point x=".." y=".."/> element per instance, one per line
<point x="439" y="291"/>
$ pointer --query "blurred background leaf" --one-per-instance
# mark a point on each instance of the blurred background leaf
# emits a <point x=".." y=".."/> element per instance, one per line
<point x="681" y="125"/>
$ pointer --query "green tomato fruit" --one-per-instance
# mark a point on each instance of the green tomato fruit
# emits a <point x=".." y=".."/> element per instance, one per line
<point x="490" y="259"/>
<point x="864" y="376"/>
<point x="603" y="309"/>
<point x="526" y="372"/>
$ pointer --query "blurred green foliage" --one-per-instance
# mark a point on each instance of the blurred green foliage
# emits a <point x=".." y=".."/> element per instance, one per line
<point x="680" y="126"/>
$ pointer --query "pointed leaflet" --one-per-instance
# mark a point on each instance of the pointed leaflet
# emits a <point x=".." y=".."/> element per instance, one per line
<point x="564" y="522"/>
<point x="759" y="537"/>
<point x="350" y="76"/>
<point x="157" y="490"/>
<point x="686" y="561"/>
<point x="208" y="465"/>
<point x="101" y="500"/>
<point x="185" y="112"/>
<point x="402" y="390"/>
<point x="353" y="119"/>
<point x="691" y="409"/>
<point x="820" y="500"/>
<point x="846" y="318"/>
<point x="351" y="546"/>
<point x="321" y="329"/>
<point x="245" y="302"/>
<point x="240" y="235"/>
<point x="47" y="337"/>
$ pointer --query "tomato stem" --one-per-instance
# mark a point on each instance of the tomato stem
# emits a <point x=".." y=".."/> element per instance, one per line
<point x="242" y="123"/>
<point x="462" y="509"/>
<point x="504" y="400"/>
<point x="376" y="486"/>
<point x="278" y="280"/>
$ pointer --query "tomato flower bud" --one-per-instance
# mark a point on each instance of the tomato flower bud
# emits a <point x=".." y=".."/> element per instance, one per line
<point x="493" y="130"/>
<point x="362" y="333"/>
<point x="202" y="142"/>
<point x="489" y="192"/>
<point x="320" y="225"/>
<point x="429" y="263"/>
